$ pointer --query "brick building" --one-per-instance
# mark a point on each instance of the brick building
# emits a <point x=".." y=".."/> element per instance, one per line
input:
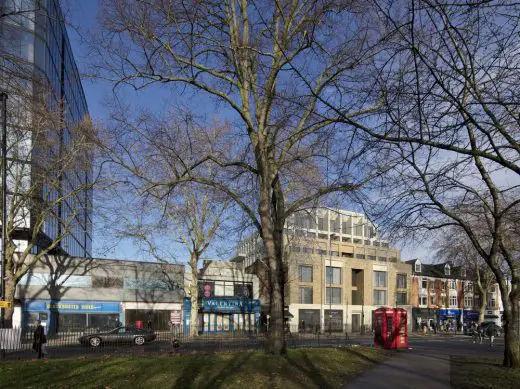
<point x="443" y="292"/>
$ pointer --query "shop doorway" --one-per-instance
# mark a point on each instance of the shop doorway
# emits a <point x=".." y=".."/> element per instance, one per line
<point x="356" y="322"/>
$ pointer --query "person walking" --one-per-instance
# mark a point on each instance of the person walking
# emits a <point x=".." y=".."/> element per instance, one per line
<point x="492" y="332"/>
<point x="39" y="340"/>
<point x="475" y="333"/>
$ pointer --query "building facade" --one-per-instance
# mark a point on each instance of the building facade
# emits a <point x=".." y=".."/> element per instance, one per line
<point x="442" y="292"/>
<point x="228" y="298"/>
<point x="35" y="48"/>
<point x="71" y="293"/>
<point x="338" y="271"/>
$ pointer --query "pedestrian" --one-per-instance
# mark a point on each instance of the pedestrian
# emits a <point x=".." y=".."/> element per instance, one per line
<point x="475" y="333"/>
<point x="492" y="332"/>
<point x="39" y="340"/>
<point x="435" y="326"/>
<point x="480" y="333"/>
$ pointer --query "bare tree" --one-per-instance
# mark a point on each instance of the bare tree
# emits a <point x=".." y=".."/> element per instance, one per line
<point x="454" y="246"/>
<point x="450" y="115"/>
<point x="249" y="56"/>
<point x="191" y="216"/>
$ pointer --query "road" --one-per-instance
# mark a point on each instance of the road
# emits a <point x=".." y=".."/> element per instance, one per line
<point x="431" y="344"/>
<point x="425" y="365"/>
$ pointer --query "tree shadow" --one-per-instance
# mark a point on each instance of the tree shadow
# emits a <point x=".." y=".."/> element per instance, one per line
<point x="193" y="373"/>
<point x="309" y="369"/>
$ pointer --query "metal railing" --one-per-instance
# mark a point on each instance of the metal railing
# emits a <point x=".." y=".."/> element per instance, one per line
<point x="18" y="343"/>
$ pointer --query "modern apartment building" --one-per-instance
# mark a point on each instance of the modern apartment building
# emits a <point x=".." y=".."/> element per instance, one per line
<point x="443" y="292"/>
<point x="338" y="270"/>
<point x="35" y="48"/>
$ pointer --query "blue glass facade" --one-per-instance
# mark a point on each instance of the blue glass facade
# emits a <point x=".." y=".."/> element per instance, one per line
<point x="39" y="37"/>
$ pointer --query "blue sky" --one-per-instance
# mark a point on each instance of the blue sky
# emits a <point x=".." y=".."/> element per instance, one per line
<point x="83" y="18"/>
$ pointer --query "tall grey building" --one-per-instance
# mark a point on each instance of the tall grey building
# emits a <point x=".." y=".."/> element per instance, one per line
<point x="33" y="36"/>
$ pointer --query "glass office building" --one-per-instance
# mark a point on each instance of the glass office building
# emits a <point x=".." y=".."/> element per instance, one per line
<point x="34" y="34"/>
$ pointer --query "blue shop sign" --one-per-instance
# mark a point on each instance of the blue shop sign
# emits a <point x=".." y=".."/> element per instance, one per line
<point x="230" y="305"/>
<point x="72" y="306"/>
<point x="449" y="312"/>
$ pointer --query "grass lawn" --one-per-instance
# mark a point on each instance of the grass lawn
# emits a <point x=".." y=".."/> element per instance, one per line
<point x="301" y="368"/>
<point x="478" y="372"/>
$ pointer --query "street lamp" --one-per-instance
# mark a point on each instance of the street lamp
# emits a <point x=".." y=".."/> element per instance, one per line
<point x="333" y="235"/>
<point x="3" y="98"/>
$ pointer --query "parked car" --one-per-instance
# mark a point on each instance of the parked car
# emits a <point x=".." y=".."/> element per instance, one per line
<point x="118" y="335"/>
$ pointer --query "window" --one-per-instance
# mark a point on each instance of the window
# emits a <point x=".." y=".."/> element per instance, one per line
<point x="453" y="285"/>
<point x="379" y="297"/>
<point x="401" y="281"/>
<point x="381" y="259"/>
<point x="492" y="289"/>
<point x="432" y="286"/>
<point x="401" y="298"/>
<point x="321" y="252"/>
<point x="491" y="302"/>
<point x="447" y="270"/>
<point x="333" y="296"/>
<point x="468" y="301"/>
<point x="333" y="275"/>
<point x="360" y="256"/>
<point x="469" y="286"/>
<point x="323" y="223"/>
<point x="305" y="273"/>
<point x="423" y="300"/>
<point x="417" y="267"/>
<point x="453" y="301"/>
<point x="308" y="250"/>
<point x="371" y="257"/>
<point x="463" y="272"/>
<point x="380" y="279"/>
<point x="305" y="296"/>
<point x="424" y="283"/>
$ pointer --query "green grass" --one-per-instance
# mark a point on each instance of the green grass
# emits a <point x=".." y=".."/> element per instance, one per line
<point x="303" y="368"/>
<point x="477" y="372"/>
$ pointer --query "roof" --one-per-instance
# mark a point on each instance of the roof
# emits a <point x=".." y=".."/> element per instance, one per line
<point x="437" y="270"/>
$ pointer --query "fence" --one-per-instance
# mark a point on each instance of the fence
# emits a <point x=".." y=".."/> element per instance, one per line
<point x="18" y="343"/>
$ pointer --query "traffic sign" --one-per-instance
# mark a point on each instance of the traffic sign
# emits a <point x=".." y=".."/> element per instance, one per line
<point x="5" y="304"/>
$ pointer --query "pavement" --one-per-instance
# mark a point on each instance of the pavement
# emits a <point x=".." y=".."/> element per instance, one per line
<point x="425" y="365"/>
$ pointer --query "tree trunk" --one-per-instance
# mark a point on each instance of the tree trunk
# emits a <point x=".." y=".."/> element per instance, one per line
<point x="482" y="307"/>
<point x="274" y="256"/>
<point x="511" y="340"/>
<point x="10" y="289"/>
<point x="194" y="293"/>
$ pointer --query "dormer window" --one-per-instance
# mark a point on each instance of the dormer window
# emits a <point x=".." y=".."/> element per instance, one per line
<point x="463" y="272"/>
<point x="417" y="266"/>
<point x="447" y="270"/>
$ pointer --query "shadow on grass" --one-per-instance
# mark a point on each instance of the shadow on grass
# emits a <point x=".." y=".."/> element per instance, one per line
<point x="309" y="369"/>
<point x="193" y="375"/>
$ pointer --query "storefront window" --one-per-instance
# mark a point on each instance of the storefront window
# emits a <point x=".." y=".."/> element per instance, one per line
<point x="72" y="322"/>
<point x="333" y="320"/>
<point x="103" y="321"/>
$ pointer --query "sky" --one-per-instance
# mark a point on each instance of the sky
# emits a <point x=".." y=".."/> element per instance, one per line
<point x="83" y="18"/>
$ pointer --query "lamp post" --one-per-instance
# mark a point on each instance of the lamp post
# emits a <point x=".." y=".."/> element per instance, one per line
<point x="333" y="235"/>
<point x="3" y="98"/>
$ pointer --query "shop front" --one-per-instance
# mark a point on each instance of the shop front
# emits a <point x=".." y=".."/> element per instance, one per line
<point x="429" y="316"/>
<point x="71" y="315"/>
<point x="221" y="314"/>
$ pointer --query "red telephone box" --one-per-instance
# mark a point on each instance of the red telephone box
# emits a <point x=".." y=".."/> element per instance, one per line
<point x="390" y="327"/>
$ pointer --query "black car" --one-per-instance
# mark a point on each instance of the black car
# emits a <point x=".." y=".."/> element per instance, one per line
<point x="118" y="335"/>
